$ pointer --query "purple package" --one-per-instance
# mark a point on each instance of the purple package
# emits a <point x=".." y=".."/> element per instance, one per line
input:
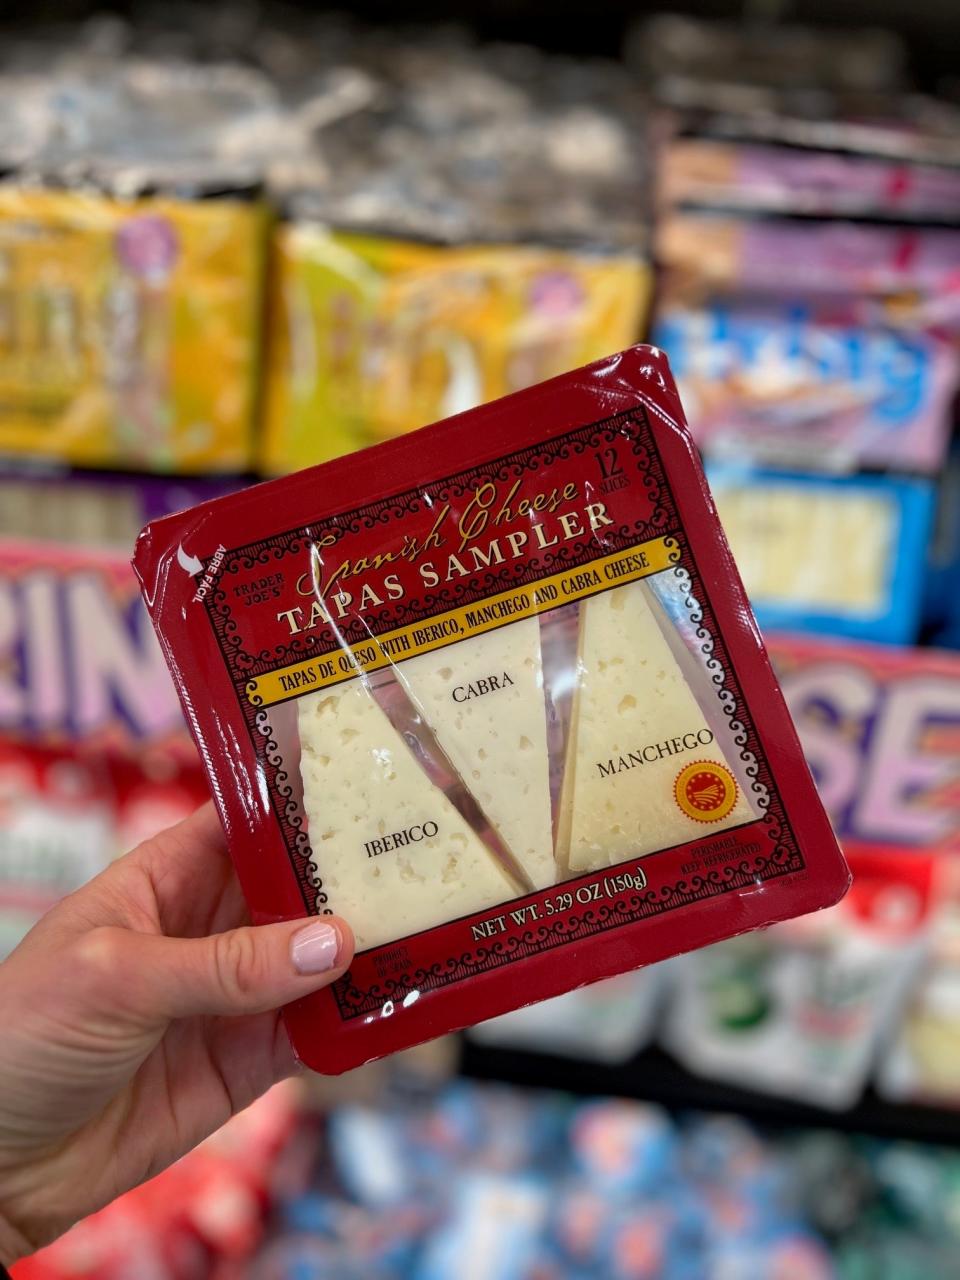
<point x="80" y="665"/>
<point x="831" y="344"/>
<point x="755" y="177"/>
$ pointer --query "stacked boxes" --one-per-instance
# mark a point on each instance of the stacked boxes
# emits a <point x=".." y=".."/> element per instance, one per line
<point x="809" y="241"/>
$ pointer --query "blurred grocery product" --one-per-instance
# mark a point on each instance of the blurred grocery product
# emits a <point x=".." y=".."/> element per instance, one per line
<point x="457" y="222"/>
<point x="841" y="90"/>
<point x="64" y="814"/>
<point x="198" y="1220"/>
<point x="941" y="602"/>
<point x="94" y="753"/>
<point x="482" y="226"/>
<point x="79" y="662"/>
<point x="129" y="327"/>
<point x="57" y="820"/>
<point x="880" y="729"/>
<point x="607" y="1021"/>
<point x="843" y="555"/>
<point x="922" y="1062"/>
<point x="372" y="336"/>
<point x="733" y="175"/>
<point x="780" y="58"/>
<point x="602" y="1189"/>
<point x="803" y="1010"/>
<point x="497" y="1184"/>
<point x="819" y="345"/>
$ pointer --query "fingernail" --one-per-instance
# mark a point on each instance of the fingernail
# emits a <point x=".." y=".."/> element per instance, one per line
<point x="314" y="949"/>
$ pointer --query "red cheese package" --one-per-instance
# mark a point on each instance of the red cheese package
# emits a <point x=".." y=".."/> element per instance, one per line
<point x="493" y="693"/>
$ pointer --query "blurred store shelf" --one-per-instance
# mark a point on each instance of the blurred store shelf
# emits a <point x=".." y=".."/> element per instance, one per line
<point x="653" y="1076"/>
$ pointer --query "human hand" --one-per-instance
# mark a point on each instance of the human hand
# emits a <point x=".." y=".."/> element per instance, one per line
<point x="138" y="1016"/>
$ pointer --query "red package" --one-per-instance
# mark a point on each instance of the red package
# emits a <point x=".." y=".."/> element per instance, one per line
<point x="492" y="692"/>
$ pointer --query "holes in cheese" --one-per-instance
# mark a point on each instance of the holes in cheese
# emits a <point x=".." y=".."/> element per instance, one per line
<point x="394" y="854"/>
<point x="483" y="699"/>
<point x="643" y="770"/>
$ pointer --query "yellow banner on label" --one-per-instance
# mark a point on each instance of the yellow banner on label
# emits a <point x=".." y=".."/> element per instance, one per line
<point x="462" y="623"/>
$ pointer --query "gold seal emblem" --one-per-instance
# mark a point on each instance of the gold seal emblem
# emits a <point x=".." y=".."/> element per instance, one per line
<point x="705" y="791"/>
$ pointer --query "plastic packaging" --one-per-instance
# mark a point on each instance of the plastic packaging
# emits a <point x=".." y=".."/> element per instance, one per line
<point x="921" y="1063"/>
<point x="66" y="813"/>
<point x="726" y="174"/>
<point x="607" y="1022"/>
<point x="493" y="692"/>
<point x="79" y="662"/>
<point x="455" y="223"/>
<point x="592" y="1190"/>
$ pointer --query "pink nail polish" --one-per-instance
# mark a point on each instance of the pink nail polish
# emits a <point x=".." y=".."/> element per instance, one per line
<point x="314" y="949"/>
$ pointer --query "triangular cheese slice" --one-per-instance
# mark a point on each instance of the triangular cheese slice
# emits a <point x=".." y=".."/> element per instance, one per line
<point x="643" y="770"/>
<point x="483" y="699"/>
<point x="394" y="855"/>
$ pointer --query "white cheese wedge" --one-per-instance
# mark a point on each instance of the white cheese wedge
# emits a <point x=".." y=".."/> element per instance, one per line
<point x="483" y="699"/>
<point x="394" y="855"/>
<point x="631" y="785"/>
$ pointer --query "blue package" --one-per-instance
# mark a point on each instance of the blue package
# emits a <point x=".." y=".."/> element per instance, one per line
<point x="488" y="1126"/>
<point x="815" y="382"/>
<point x="497" y="1223"/>
<point x="796" y="1255"/>
<point x="624" y="1148"/>
<point x="640" y="1245"/>
<point x="843" y="555"/>
<point x="305" y="1258"/>
<point x="580" y="1223"/>
<point x="311" y="1212"/>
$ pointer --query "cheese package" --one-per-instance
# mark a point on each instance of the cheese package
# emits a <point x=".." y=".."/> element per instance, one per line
<point x="493" y="694"/>
<point x="837" y="554"/>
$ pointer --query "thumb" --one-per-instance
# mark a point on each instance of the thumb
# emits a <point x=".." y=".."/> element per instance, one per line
<point x="242" y="971"/>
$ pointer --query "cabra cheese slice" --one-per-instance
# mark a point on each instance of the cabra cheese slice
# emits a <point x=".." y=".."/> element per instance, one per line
<point x="393" y="853"/>
<point x="643" y="769"/>
<point x="483" y="699"/>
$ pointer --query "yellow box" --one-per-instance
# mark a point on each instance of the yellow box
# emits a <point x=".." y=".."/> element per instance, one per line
<point x="129" y="329"/>
<point x="370" y="337"/>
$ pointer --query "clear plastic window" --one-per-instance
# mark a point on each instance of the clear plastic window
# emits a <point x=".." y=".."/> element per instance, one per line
<point x="557" y="746"/>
